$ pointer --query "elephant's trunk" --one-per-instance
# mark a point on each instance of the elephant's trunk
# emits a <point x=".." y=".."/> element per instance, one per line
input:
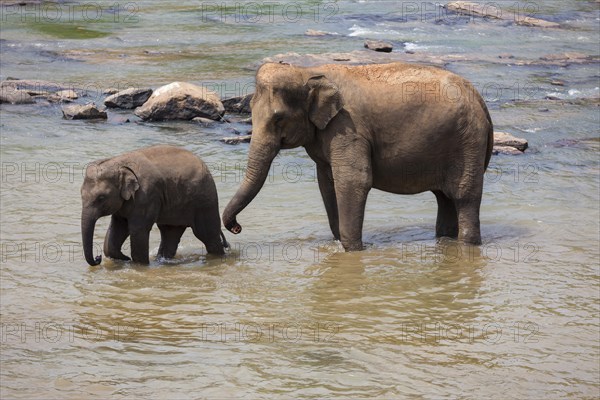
<point x="88" y="223"/>
<point x="259" y="162"/>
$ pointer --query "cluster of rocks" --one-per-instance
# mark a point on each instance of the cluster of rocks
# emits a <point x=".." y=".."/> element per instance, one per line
<point x="175" y="101"/>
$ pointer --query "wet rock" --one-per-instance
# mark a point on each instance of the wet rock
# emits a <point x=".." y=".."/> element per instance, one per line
<point x="15" y="96"/>
<point x="128" y="98"/>
<point x="492" y="10"/>
<point x="557" y="83"/>
<point x="87" y="111"/>
<point x="536" y="22"/>
<point x="312" y="32"/>
<point x="239" y="104"/>
<point x="63" y="96"/>
<point x="67" y="94"/>
<point x="204" y="121"/>
<point x="110" y="91"/>
<point x="38" y="93"/>
<point x="506" y="150"/>
<point x="503" y="139"/>
<point x="181" y="101"/>
<point x="236" y="139"/>
<point x="34" y="85"/>
<point x="380" y="46"/>
<point x="475" y="9"/>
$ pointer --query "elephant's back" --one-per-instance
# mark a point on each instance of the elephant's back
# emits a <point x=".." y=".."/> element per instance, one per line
<point x="179" y="167"/>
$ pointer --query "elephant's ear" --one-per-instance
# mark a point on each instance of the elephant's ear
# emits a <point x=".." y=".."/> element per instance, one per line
<point x="325" y="100"/>
<point x="129" y="182"/>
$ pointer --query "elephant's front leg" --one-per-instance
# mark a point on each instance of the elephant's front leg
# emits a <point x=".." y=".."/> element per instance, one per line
<point x="326" y="186"/>
<point x="353" y="180"/>
<point x="116" y="235"/>
<point x="140" y="235"/>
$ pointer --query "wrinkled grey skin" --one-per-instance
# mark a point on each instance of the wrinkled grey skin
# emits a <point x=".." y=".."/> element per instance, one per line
<point x="161" y="185"/>
<point x="401" y="128"/>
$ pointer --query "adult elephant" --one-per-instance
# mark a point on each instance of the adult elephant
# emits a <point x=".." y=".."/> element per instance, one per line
<point x="401" y="128"/>
<point x="165" y="185"/>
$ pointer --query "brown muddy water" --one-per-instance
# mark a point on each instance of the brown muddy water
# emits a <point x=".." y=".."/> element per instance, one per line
<point x="286" y="314"/>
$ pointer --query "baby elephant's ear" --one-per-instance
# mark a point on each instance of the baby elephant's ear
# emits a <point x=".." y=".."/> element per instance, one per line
<point x="325" y="100"/>
<point x="129" y="182"/>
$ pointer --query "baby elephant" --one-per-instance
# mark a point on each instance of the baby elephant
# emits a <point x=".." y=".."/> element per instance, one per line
<point x="165" y="185"/>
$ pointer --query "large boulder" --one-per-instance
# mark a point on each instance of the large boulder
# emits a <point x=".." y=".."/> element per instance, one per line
<point x="78" y="111"/>
<point x="128" y="98"/>
<point x="181" y="101"/>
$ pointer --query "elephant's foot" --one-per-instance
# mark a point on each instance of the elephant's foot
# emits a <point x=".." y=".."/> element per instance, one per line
<point x="470" y="237"/>
<point x="353" y="246"/>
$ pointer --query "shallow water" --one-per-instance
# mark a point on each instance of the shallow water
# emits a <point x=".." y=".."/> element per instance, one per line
<point x="285" y="313"/>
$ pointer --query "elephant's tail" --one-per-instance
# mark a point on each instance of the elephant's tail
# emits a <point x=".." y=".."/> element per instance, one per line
<point x="490" y="144"/>
<point x="225" y="243"/>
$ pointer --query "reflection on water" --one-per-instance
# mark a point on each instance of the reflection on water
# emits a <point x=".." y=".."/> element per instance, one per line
<point x="286" y="313"/>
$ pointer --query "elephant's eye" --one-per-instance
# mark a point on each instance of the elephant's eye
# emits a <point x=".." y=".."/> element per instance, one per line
<point x="101" y="197"/>
<point x="278" y="118"/>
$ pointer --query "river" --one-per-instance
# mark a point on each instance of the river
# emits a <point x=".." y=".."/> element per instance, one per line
<point x="286" y="314"/>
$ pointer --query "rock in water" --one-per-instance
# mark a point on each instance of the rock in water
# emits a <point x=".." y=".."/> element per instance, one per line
<point x="377" y="45"/>
<point x="236" y="139"/>
<point x="475" y="9"/>
<point x="240" y="104"/>
<point x="67" y="94"/>
<point x="15" y="96"/>
<point x="505" y="143"/>
<point x="181" y="101"/>
<point x="88" y="111"/>
<point x="536" y="22"/>
<point x="506" y="150"/>
<point x="128" y="98"/>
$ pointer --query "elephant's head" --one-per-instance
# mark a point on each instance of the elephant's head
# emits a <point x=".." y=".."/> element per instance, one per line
<point x="289" y="107"/>
<point x="106" y="186"/>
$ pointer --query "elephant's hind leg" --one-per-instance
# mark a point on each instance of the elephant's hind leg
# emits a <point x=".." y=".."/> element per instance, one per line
<point x="468" y="202"/>
<point x="447" y="218"/>
<point x="170" y="236"/>
<point x="117" y="233"/>
<point x="207" y="228"/>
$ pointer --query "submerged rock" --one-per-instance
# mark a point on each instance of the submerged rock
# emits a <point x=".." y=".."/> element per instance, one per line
<point x="128" y="98"/>
<point x="181" y="101"/>
<point x="312" y="32"/>
<point x="475" y="9"/>
<point x="87" y="111"/>
<point x="34" y="85"/>
<point x="236" y="139"/>
<point x="204" y="121"/>
<point x="492" y="10"/>
<point x="536" y="22"/>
